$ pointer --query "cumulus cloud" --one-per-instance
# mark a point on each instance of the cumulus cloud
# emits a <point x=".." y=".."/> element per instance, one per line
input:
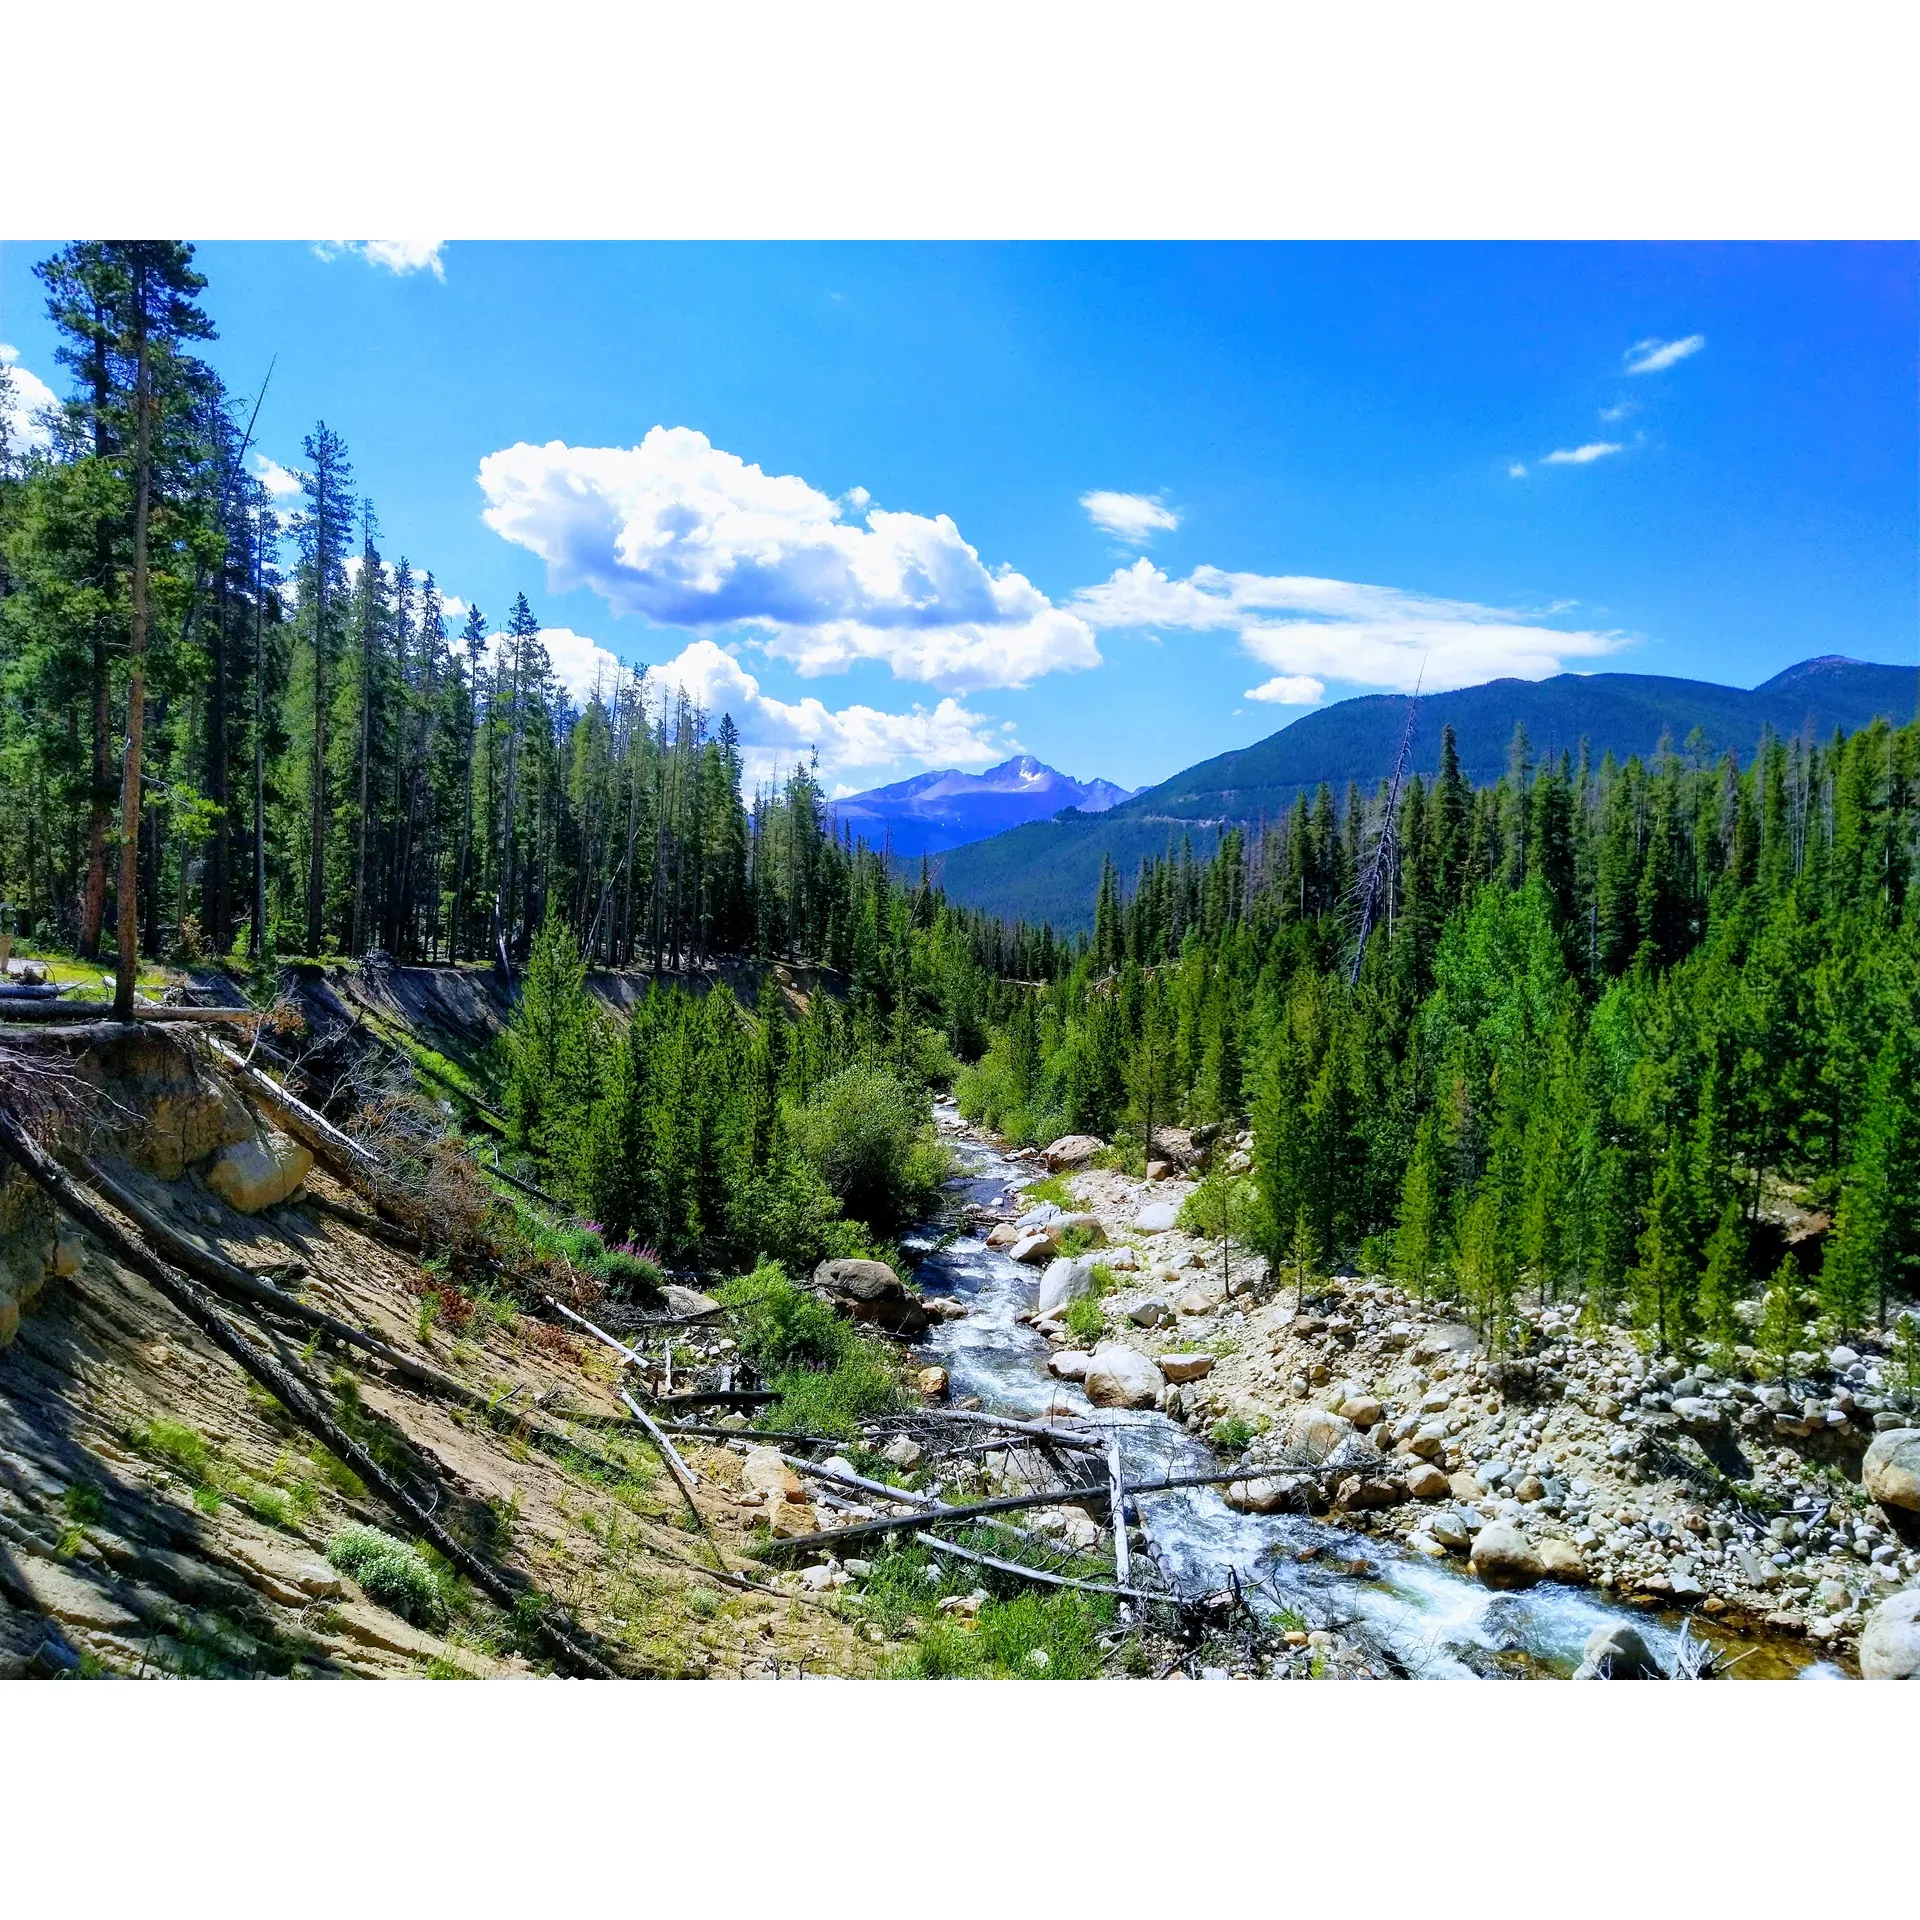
<point x="1581" y="456"/>
<point x="1304" y="628"/>
<point x="1132" y="517"/>
<point x="397" y="256"/>
<point x="1517" y="471"/>
<point x="280" y="482"/>
<point x="1290" y="690"/>
<point x="687" y="534"/>
<point x="579" y="664"/>
<point x="28" y="396"/>
<point x="1656" y="356"/>
<point x="779" y="732"/>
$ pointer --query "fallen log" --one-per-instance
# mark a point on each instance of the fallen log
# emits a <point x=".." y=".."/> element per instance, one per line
<point x="1117" y="1513"/>
<point x="1033" y="1429"/>
<point x="720" y="1397"/>
<point x="675" y="1466"/>
<point x="148" y="1014"/>
<point x="1097" y="1491"/>
<point x="291" y="1389"/>
<point x="228" y="1278"/>
<point x="359" y="1168"/>
<point x="1034" y="1573"/>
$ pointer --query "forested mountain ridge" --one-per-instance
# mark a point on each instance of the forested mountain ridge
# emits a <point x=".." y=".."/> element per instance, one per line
<point x="1049" y="870"/>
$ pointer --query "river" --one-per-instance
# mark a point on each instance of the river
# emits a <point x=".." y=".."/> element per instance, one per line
<point x="1440" y="1622"/>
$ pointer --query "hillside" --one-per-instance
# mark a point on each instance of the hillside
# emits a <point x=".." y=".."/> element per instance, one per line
<point x="1049" y="869"/>
<point x="933" y="812"/>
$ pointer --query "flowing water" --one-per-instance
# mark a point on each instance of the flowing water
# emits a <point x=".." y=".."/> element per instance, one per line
<point x="1440" y="1622"/>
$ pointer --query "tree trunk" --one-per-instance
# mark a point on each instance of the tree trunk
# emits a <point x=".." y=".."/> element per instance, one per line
<point x="93" y="909"/>
<point x="129" y="923"/>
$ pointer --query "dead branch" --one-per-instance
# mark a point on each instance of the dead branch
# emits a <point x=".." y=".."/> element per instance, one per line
<point x="1033" y="1573"/>
<point x="675" y="1466"/>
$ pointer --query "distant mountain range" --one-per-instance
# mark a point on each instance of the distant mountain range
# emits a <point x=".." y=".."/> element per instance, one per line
<point x="936" y="811"/>
<point x="1049" y="869"/>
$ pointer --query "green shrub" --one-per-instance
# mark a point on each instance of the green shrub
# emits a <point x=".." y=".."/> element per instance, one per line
<point x="1075" y="1241"/>
<point x="868" y="1135"/>
<point x="628" y="1277"/>
<point x="829" y="1375"/>
<point x="1230" y="1435"/>
<point x="1084" y="1320"/>
<point x="392" y="1573"/>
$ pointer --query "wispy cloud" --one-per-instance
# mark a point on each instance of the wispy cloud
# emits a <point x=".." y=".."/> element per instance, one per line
<point x="1656" y="356"/>
<point x="1620" y="410"/>
<point x="1517" y="471"/>
<point x="1132" y="517"/>
<point x="1581" y="456"/>
<point x="1310" y="630"/>
<point x="687" y="534"/>
<point x="397" y="256"/>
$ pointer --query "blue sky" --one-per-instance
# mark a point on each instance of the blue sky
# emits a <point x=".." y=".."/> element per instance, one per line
<point x="1120" y="506"/>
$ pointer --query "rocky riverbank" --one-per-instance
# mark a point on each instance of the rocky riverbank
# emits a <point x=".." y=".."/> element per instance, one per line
<point x="1767" y="1509"/>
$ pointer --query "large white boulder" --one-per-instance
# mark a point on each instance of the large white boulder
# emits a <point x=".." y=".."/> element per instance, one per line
<point x="1119" y="1377"/>
<point x="1890" y="1641"/>
<point x="1314" y="1432"/>
<point x="1158" y="1218"/>
<point x="1182" y="1367"/>
<point x="258" y="1173"/>
<point x="1891" y="1470"/>
<point x="1072" y="1150"/>
<point x="1064" y="1282"/>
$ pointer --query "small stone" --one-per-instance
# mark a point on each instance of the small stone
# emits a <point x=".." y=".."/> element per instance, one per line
<point x="931" y="1382"/>
<point x="1426" y="1482"/>
<point x="1617" y="1652"/>
<point x="1563" y="1561"/>
<point x="904" y="1452"/>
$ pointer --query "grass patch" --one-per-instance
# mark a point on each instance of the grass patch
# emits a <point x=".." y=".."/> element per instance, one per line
<point x="829" y="1375"/>
<point x="391" y="1572"/>
<point x="1076" y="1241"/>
<point x="1052" y="1191"/>
<point x="1084" y="1319"/>
<point x="178" y="1446"/>
<point x="1232" y="1434"/>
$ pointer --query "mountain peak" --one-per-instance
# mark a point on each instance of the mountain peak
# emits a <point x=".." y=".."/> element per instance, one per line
<point x="934" y="812"/>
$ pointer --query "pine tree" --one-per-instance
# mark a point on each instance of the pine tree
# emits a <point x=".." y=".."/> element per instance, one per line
<point x="1723" y="1284"/>
<point x="1303" y="1255"/>
<point x="1782" y="1318"/>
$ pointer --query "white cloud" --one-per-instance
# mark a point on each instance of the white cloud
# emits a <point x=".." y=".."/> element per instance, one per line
<point x="1656" y="356"/>
<point x="1620" y="410"/>
<point x="280" y="482"/>
<point x="1290" y="690"/>
<point x="30" y="397"/>
<point x="397" y="256"/>
<point x="690" y="535"/>
<point x="1343" y="630"/>
<point x="1518" y="471"/>
<point x="779" y="732"/>
<point x="1132" y="517"/>
<point x="1581" y="456"/>
<point x="579" y="664"/>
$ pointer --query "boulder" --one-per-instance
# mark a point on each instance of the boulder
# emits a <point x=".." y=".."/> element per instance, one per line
<point x="1426" y="1482"/>
<point x="1891" y="1470"/>
<point x="1530" y="1488"/>
<point x="1360" y="1492"/>
<point x="1197" y="1301"/>
<point x="1038" y="1219"/>
<point x="1064" y="1282"/>
<point x="1151" y="1312"/>
<point x="790" y="1519"/>
<point x="1083" y="1223"/>
<point x="1427" y="1442"/>
<point x="253" y="1174"/>
<point x="1070" y="1363"/>
<point x="1701" y="1418"/>
<point x="1119" y="1377"/>
<point x="689" y="1299"/>
<point x="1159" y="1169"/>
<point x="1120" y="1259"/>
<point x="1030" y="1249"/>
<point x="1182" y="1367"/>
<point x="1464" y="1487"/>
<point x="1072" y="1150"/>
<point x="1362" y="1409"/>
<point x="1617" y="1652"/>
<point x="1563" y="1561"/>
<point x="870" y="1292"/>
<point x="931" y="1382"/>
<point x="762" y="1471"/>
<point x="1454" y="1529"/>
<point x="1157" y="1218"/>
<point x="1262" y="1494"/>
<point x="1004" y="1236"/>
<point x="1313" y="1433"/>
<point x="1890" y="1641"/>
<point x="1501" y="1557"/>
<point x="903" y="1451"/>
